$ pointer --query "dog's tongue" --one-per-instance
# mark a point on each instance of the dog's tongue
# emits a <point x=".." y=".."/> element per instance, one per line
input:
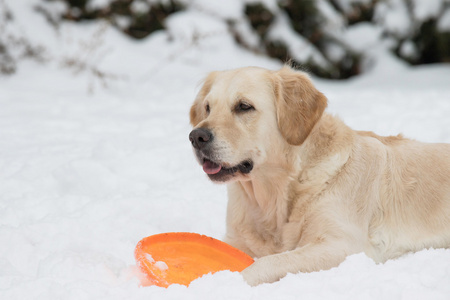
<point x="211" y="168"/>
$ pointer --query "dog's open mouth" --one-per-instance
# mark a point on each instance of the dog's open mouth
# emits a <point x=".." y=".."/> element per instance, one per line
<point x="210" y="167"/>
<point x="217" y="171"/>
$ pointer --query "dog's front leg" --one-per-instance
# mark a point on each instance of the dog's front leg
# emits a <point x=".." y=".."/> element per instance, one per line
<point x="309" y="258"/>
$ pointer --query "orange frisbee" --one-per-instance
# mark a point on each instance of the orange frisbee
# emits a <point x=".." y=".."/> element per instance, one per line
<point x="181" y="257"/>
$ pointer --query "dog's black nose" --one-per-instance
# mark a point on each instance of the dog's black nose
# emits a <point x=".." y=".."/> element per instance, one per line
<point x="200" y="137"/>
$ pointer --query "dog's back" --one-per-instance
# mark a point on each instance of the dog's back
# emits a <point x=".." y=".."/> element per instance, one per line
<point x="413" y="209"/>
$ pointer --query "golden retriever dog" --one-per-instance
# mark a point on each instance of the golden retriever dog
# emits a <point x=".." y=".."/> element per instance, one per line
<point x="305" y="190"/>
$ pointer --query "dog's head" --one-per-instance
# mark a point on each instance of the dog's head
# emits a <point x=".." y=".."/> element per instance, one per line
<point x="242" y="118"/>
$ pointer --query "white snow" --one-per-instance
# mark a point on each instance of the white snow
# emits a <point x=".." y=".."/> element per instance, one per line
<point x="334" y="21"/>
<point x="444" y="22"/>
<point x="230" y="9"/>
<point x="408" y="49"/>
<point x="95" y="156"/>
<point x="393" y="16"/>
<point x="149" y="257"/>
<point x="362" y="36"/>
<point x="192" y="25"/>
<point x="424" y="10"/>
<point x="299" y="47"/>
<point x="158" y="264"/>
<point x="97" y="4"/>
<point x="161" y="265"/>
<point x="139" y="7"/>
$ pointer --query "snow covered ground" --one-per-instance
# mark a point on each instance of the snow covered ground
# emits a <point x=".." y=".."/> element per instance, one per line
<point x="94" y="156"/>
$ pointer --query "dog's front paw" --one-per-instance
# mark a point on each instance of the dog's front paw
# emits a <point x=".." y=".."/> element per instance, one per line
<point x="251" y="277"/>
<point x="261" y="271"/>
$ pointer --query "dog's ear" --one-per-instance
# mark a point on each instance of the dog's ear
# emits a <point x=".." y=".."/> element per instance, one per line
<point x="299" y="104"/>
<point x="198" y="112"/>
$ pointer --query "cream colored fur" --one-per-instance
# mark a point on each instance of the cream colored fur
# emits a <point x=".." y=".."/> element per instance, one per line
<point x="319" y="191"/>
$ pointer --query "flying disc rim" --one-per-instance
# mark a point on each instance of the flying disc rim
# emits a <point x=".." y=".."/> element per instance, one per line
<point x="210" y="246"/>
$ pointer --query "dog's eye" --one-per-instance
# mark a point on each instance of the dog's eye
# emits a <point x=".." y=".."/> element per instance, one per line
<point x="207" y="108"/>
<point x="243" y="107"/>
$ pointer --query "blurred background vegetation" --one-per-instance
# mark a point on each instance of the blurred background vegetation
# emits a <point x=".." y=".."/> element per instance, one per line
<point x="319" y="35"/>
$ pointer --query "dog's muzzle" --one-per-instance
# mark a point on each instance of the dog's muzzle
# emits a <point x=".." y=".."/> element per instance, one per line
<point x="201" y="139"/>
